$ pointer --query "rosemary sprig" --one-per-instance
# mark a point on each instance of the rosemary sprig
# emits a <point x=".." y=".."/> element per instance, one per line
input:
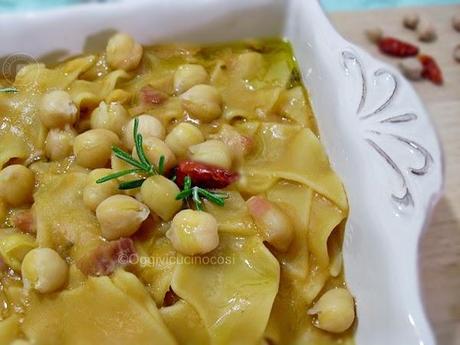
<point x="8" y="89"/>
<point x="197" y="193"/>
<point x="142" y="165"/>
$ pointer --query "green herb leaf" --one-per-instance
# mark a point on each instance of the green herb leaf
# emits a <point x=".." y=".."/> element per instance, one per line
<point x="138" y="143"/>
<point x="187" y="182"/>
<point x="196" y="193"/>
<point x="161" y="165"/>
<point x="117" y="175"/>
<point x="184" y="194"/>
<point x="125" y="156"/>
<point x="135" y="127"/>
<point x="140" y="151"/>
<point x="197" y="200"/>
<point x="131" y="184"/>
<point x="216" y="199"/>
<point x="8" y="89"/>
<point x="222" y="195"/>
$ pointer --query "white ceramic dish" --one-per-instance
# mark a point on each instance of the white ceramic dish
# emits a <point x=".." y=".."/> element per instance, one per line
<point x="376" y="132"/>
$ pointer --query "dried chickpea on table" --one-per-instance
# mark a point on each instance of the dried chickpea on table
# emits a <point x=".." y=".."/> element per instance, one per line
<point x="414" y="63"/>
<point x="176" y="193"/>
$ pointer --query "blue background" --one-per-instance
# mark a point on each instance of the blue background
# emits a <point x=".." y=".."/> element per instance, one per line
<point x="333" y="5"/>
<point x="330" y="5"/>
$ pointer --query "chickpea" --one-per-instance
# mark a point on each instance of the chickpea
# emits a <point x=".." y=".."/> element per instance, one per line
<point x="411" y="68"/>
<point x="123" y="52"/>
<point x="120" y="216"/>
<point x="16" y="185"/>
<point x="149" y="126"/>
<point x="411" y="20"/>
<point x="274" y="225"/>
<point x="93" y="148"/>
<point x="189" y="75"/>
<point x="59" y="143"/>
<point x="426" y="31"/>
<point x="213" y="152"/>
<point x="182" y="137"/>
<point x="94" y="193"/>
<point x="118" y="164"/>
<point x="57" y="109"/>
<point x="44" y="270"/>
<point x="374" y="35"/>
<point x="112" y="116"/>
<point x="248" y="65"/>
<point x="456" y="53"/>
<point x="202" y="102"/>
<point x="159" y="194"/>
<point x="335" y="311"/>
<point x="456" y="22"/>
<point x="154" y="148"/>
<point x="193" y="232"/>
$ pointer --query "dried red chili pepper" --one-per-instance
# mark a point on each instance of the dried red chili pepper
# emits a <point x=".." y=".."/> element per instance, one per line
<point x="204" y="175"/>
<point x="431" y="70"/>
<point x="395" y="47"/>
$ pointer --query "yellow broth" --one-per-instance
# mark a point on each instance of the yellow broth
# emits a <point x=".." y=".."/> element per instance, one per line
<point x="250" y="289"/>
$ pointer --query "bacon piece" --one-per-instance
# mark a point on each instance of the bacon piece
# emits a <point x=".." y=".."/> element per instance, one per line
<point x="247" y="143"/>
<point x="204" y="175"/>
<point x="147" y="227"/>
<point x="170" y="298"/>
<point x="274" y="225"/>
<point x="25" y="221"/>
<point x="106" y="258"/>
<point x="148" y="95"/>
<point x="239" y="144"/>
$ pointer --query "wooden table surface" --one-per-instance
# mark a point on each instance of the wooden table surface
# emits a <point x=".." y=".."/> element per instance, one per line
<point x="440" y="246"/>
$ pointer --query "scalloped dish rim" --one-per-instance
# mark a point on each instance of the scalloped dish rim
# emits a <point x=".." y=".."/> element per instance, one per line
<point x="376" y="112"/>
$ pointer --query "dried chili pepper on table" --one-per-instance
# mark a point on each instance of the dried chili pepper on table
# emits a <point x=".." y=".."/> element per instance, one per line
<point x="204" y="175"/>
<point x="395" y="47"/>
<point x="431" y="70"/>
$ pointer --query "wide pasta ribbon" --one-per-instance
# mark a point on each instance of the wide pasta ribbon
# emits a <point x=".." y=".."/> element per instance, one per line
<point x="234" y="297"/>
<point x="73" y="316"/>
<point x="287" y="152"/>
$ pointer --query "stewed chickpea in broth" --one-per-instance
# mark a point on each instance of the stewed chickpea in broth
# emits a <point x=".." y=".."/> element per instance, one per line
<point x="174" y="192"/>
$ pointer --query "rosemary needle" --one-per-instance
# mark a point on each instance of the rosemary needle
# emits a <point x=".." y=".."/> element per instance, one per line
<point x="8" y="89"/>
<point x="196" y="193"/>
